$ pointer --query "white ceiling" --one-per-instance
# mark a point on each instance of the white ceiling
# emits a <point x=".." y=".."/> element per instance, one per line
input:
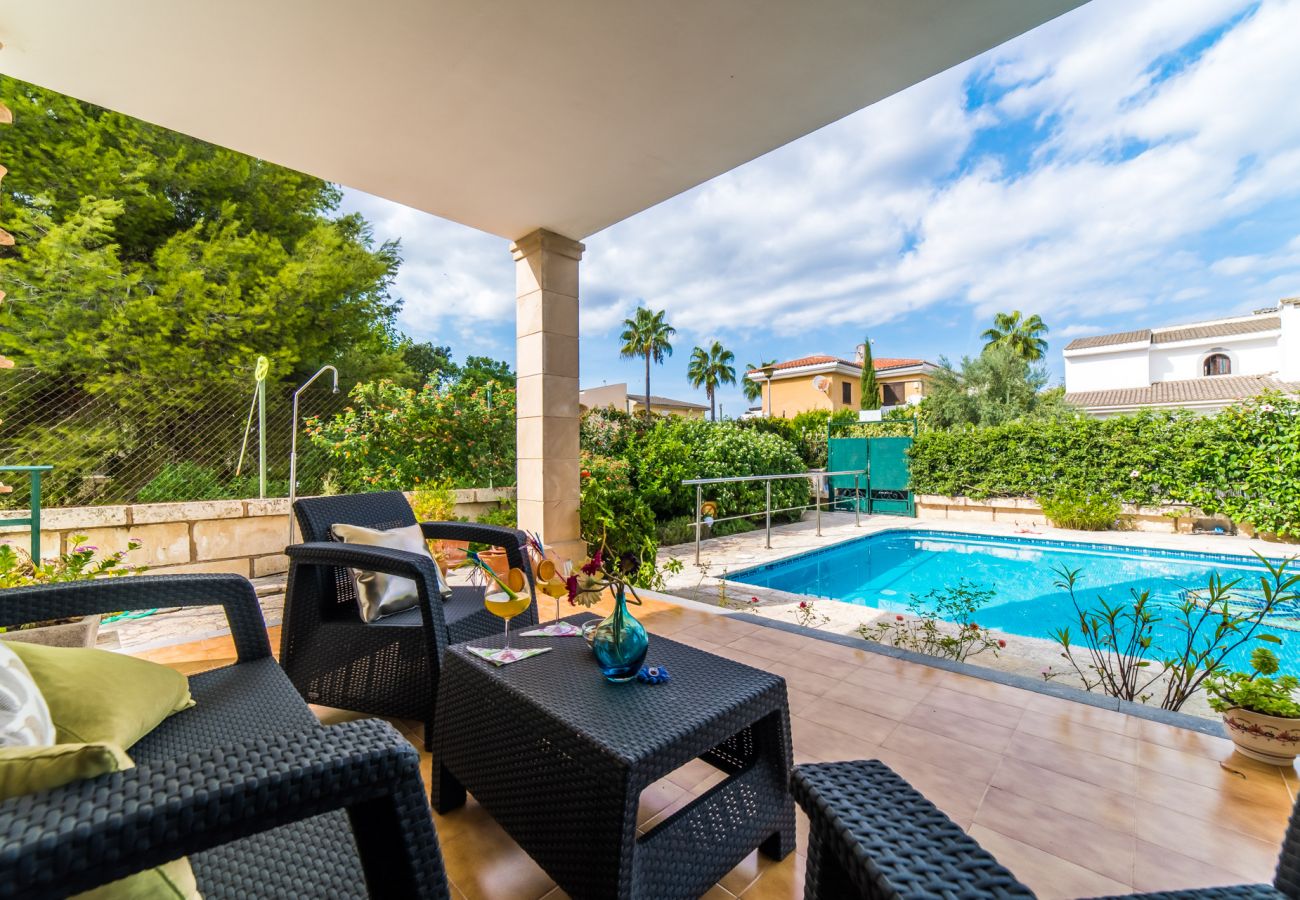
<point x="505" y="115"/>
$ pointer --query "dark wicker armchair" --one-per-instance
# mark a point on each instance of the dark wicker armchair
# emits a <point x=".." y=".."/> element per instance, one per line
<point x="389" y="667"/>
<point x="264" y="800"/>
<point x="873" y="835"/>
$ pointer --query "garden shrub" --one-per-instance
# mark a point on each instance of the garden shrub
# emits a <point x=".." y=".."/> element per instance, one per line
<point x="733" y="526"/>
<point x="1076" y="509"/>
<point x="1243" y="463"/>
<point x="615" y="520"/>
<point x="185" y="481"/>
<point x="681" y="449"/>
<point x="677" y="530"/>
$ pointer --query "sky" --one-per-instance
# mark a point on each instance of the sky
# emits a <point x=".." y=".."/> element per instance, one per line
<point x="1129" y="164"/>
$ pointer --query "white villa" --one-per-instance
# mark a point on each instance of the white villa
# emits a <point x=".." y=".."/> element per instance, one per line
<point x="1203" y="366"/>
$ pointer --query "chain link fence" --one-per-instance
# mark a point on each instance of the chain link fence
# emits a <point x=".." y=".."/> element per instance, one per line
<point x="141" y="442"/>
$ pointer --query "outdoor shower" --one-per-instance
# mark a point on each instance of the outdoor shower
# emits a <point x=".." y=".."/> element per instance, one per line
<point x="293" y="443"/>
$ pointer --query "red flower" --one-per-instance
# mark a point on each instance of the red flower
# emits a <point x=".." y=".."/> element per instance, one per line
<point x="803" y="604"/>
<point x="1001" y="643"/>
<point x="586" y="473"/>
<point x="753" y="599"/>
<point x="899" y="618"/>
<point x="592" y="566"/>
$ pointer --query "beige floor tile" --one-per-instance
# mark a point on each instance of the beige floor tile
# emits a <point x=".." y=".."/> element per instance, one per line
<point x="1076" y="734"/>
<point x="1049" y="876"/>
<point x="1113" y="774"/>
<point x="1160" y="869"/>
<point x="783" y="881"/>
<point x="1182" y="739"/>
<point x="828" y="744"/>
<point x="1083" y="713"/>
<point x="976" y="732"/>
<point x="1260" y="811"/>
<point x="882" y="703"/>
<point x="1112" y="809"/>
<point x="991" y="711"/>
<point x="1250" y="858"/>
<point x="954" y="791"/>
<point x="1096" y="847"/>
<point x="925" y="746"/>
<point x="856" y="722"/>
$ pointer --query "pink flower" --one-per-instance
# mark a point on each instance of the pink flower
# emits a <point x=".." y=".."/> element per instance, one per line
<point x="592" y="566"/>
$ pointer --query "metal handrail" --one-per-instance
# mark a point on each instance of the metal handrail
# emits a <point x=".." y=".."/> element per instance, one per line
<point x="818" y="477"/>
<point x="33" y="519"/>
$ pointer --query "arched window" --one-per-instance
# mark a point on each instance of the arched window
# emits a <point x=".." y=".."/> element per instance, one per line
<point x="1218" y="364"/>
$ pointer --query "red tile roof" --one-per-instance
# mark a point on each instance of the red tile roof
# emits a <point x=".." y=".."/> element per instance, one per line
<point x="884" y="362"/>
<point x="1192" y="390"/>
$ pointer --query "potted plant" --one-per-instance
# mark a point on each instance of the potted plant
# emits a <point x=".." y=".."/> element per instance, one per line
<point x="1259" y="711"/>
<point x="17" y="569"/>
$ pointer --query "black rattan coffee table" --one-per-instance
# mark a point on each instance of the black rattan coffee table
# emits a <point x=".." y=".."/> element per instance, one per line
<point x="559" y="757"/>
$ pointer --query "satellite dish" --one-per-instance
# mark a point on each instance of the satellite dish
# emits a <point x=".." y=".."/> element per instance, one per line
<point x="822" y="383"/>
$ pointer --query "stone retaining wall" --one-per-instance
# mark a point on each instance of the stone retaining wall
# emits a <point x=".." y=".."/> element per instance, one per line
<point x="246" y="537"/>
<point x="1171" y="519"/>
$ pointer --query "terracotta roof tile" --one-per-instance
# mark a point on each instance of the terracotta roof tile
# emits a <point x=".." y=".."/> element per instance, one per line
<point x="1222" y="329"/>
<point x="1172" y="393"/>
<point x="1107" y="340"/>
<point x="884" y="362"/>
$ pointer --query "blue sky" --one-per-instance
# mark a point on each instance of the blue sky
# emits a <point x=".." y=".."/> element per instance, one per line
<point x="1132" y="163"/>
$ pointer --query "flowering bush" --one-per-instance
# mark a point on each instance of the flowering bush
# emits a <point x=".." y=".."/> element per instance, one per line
<point x="395" y="438"/>
<point x="78" y="564"/>
<point x="806" y="614"/>
<point x="944" y="625"/>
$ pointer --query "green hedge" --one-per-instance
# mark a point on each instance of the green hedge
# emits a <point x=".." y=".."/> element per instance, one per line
<point x="1243" y="463"/>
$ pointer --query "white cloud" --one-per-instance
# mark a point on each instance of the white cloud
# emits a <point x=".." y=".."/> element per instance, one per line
<point x="1141" y="199"/>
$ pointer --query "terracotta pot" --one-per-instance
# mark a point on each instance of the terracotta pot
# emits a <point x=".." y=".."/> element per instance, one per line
<point x="81" y="633"/>
<point x="495" y="557"/>
<point x="1269" y="739"/>
<point x="451" y="553"/>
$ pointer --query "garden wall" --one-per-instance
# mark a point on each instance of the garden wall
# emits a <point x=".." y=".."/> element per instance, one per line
<point x="246" y="537"/>
<point x="1170" y="519"/>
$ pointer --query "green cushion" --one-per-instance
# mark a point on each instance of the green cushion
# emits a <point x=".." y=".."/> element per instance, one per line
<point x="96" y="696"/>
<point x="26" y="770"/>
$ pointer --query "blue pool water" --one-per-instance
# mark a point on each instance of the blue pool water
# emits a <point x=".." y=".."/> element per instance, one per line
<point x="884" y="570"/>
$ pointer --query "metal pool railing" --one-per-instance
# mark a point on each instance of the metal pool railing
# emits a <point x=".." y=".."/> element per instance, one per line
<point x="818" y="479"/>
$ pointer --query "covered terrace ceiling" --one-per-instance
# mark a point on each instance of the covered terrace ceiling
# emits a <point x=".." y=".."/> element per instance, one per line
<point x="505" y="115"/>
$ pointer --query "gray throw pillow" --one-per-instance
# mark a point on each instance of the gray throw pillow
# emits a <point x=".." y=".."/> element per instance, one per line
<point x="380" y="595"/>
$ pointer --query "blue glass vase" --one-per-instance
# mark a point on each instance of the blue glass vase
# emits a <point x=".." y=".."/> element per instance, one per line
<point x="620" y="643"/>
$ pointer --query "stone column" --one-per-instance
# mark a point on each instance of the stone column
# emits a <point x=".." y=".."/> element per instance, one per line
<point x="546" y="334"/>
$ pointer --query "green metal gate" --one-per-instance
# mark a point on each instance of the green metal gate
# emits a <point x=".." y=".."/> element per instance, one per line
<point x="887" y="488"/>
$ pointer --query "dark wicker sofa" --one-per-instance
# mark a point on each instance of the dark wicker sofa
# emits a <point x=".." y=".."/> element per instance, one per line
<point x="389" y="667"/>
<point x="264" y="800"/>
<point x="873" y="835"/>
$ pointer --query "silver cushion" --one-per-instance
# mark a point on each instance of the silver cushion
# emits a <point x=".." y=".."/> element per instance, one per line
<point x="378" y="594"/>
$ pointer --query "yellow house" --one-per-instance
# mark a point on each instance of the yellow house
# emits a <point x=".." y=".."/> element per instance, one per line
<point x="831" y="383"/>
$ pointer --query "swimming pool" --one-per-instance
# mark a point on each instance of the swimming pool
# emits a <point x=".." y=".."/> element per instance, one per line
<point x="886" y="569"/>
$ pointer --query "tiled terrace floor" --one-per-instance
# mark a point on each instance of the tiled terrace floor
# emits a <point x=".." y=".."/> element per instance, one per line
<point x="1075" y="800"/>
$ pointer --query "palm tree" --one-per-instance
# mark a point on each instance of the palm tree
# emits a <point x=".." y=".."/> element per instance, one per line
<point x="1023" y="337"/>
<point x="646" y="334"/>
<point x="711" y="369"/>
<point x="754" y="389"/>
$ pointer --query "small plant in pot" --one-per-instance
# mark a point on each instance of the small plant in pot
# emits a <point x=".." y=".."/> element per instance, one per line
<point x="1260" y="711"/>
<point x="17" y="569"/>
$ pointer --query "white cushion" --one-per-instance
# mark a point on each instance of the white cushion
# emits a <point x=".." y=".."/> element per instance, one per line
<point x="24" y="715"/>
<point x="380" y="595"/>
